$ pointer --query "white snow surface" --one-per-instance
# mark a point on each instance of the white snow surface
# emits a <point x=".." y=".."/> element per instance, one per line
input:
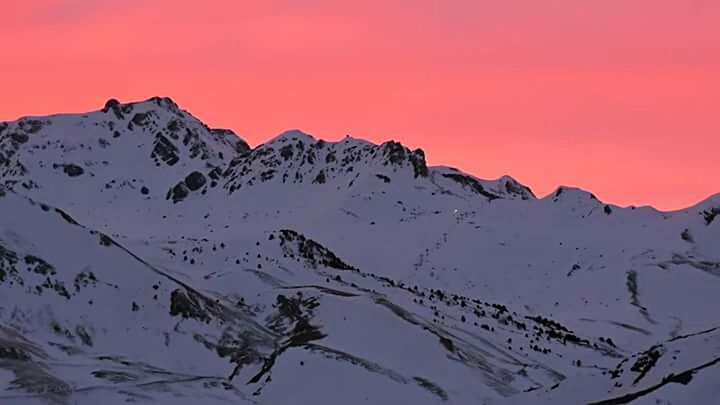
<point x="147" y="258"/>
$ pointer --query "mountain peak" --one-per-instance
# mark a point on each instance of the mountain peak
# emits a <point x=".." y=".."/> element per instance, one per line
<point x="123" y="110"/>
<point x="574" y="198"/>
<point x="513" y="186"/>
<point x="135" y="150"/>
<point x="140" y="111"/>
<point x="296" y="157"/>
<point x="162" y="102"/>
<point x="292" y="135"/>
<point x="566" y="193"/>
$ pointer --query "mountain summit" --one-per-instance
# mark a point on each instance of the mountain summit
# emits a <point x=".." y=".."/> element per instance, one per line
<point x="145" y="257"/>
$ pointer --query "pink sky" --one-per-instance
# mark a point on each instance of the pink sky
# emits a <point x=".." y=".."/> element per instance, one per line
<point x="620" y="97"/>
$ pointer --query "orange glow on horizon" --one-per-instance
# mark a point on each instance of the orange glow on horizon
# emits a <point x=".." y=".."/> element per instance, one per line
<point x="619" y="98"/>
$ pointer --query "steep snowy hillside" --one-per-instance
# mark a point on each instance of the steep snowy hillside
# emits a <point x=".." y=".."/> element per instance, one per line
<point x="146" y="257"/>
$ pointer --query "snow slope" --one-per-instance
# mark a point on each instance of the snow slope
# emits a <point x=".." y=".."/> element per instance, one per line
<point x="146" y="257"/>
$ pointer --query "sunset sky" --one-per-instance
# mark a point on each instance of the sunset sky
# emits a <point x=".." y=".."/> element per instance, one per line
<point x="619" y="97"/>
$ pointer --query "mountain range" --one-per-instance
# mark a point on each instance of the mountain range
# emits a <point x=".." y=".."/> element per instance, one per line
<point x="148" y="258"/>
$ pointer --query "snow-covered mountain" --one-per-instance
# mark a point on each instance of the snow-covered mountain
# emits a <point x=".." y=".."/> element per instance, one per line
<point x="147" y="258"/>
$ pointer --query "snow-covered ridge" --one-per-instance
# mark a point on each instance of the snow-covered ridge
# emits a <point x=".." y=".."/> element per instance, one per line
<point x="291" y="157"/>
<point x="81" y="144"/>
<point x="295" y="157"/>
<point x="147" y="257"/>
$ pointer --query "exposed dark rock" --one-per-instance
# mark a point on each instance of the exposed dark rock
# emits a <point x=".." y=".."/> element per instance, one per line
<point x="646" y="361"/>
<point x="111" y="104"/>
<point x="607" y="209"/>
<point x="73" y="170"/>
<point x="683" y="378"/>
<point x="39" y="265"/>
<point x="144" y="190"/>
<point x="114" y="376"/>
<point x="292" y="321"/>
<point x="8" y="260"/>
<point x="267" y="175"/>
<point x="195" y="180"/>
<point x="417" y="159"/>
<point x="215" y="173"/>
<point x="632" y="286"/>
<point x="84" y="336"/>
<point x="185" y="304"/>
<point x="165" y="150"/>
<point x="432" y="387"/>
<point x="242" y="147"/>
<point x="447" y="344"/>
<point x="313" y="252"/>
<point x="286" y="152"/>
<point x="394" y="152"/>
<point x="30" y="126"/>
<point x="140" y="119"/>
<point x="320" y="178"/>
<point x="175" y="125"/>
<point x="513" y="187"/>
<point x="57" y="286"/>
<point x="241" y="349"/>
<point x="382" y="177"/>
<point x="474" y="185"/>
<point x="710" y="214"/>
<point x="164" y="102"/>
<point x="13" y="353"/>
<point x="84" y="279"/>
<point x="178" y="193"/>
<point x="66" y="217"/>
<point x="19" y="137"/>
<point x="105" y="240"/>
<point x="114" y="106"/>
